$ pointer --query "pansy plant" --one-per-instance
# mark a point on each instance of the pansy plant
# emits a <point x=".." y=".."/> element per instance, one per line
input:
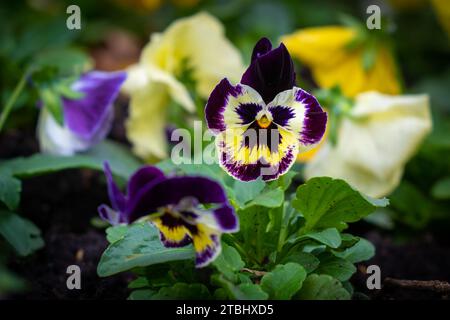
<point x="87" y="119"/>
<point x="286" y="245"/>
<point x="185" y="209"/>
<point x="263" y="122"/>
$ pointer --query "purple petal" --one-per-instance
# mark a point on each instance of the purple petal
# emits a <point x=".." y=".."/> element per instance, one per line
<point x="315" y="119"/>
<point x="109" y="215"/>
<point x="171" y="191"/>
<point x="281" y="114"/>
<point x="226" y="219"/>
<point x="271" y="71"/>
<point x="210" y="252"/>
<point x="217" y="103"/>
<point x="247" y="112"/>
<point x="285" y="164"/>
<point x="142" y="178"/>
<point x="87" y="117"/>
<point x="262" y="47"/>
<point x="116" y="197"/>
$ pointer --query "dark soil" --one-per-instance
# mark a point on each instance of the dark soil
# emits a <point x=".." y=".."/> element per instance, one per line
<point x="63" y="204"/>
<point x="424" y="258"/>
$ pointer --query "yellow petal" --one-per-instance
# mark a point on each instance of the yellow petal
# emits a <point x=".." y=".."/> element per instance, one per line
<point x="146" y="123"/>
<point x="374" y="145"/>
<point x="442" y="8"/>
<point x="200" y="42"/>
<point x="319" y="46"/>
<point x="324" y="51"/>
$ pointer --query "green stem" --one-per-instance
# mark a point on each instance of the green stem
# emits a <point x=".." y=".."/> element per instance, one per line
<point x="244" y="253"/>
<point x="10" y="103"/>
<point x="281" y="238"/>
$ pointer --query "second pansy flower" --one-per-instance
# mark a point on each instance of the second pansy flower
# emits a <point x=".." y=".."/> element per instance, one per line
<point x="263" y="122"/>
<point x="185" y="209"/>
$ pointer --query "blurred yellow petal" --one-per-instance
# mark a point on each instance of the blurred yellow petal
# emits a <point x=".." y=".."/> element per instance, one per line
<point x="375" y="143"/>
<point x="147" y="119"/>
<point x="324" y="50"/>
<point x="195" y="43"/>
<point x="319" y="46"/>
<point x="176" y="89"/>
<point x="200" y="42"/>
<point x="442" y="8"/>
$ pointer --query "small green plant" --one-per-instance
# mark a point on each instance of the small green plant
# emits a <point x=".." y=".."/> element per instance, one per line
<point x="292" y="244"/>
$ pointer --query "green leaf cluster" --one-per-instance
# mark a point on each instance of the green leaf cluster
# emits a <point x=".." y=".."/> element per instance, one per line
<point x="291" y="244"/>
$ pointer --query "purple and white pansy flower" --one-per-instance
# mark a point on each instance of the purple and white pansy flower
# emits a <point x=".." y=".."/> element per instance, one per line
<point x="185" y="209"/>
<point x="86" y="120"/>
<point x="262" y="123"/>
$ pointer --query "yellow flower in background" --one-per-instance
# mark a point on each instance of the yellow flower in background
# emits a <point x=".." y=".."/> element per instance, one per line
<point x="374" y="142"/>
<point x="325" y="50"/>
<point x="442" y="8"/>
<point x="196" y="43"/>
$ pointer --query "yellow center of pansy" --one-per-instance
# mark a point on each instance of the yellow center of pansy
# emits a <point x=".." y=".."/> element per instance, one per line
<point x="264" y="122"/>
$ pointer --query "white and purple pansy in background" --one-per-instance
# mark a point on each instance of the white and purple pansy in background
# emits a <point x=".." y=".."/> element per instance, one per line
<point x="262" y="123"/>
<point x="185" y="209"/>
<point x="87" y="120"/>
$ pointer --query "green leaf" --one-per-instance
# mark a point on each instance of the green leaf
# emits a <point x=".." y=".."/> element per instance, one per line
<point x="140" y="247"/>
<point x="306" y="260"/>
<point x="332" y="203"/>
<point x="122" y="162"/>
<point x="142" y="294"/>
<point x="220" y="294"/>
<point x="249" y="291"/>
<point x="284" y="181"/>
<point x="116" y="233"/>
<point x="271" y="198"/>
<point x="52" y="102"/>
<point x="283" y="281"/>
<point x="10" y="189"/>
<point x="67" y="60"/>
<point x="20" y="233"/>
<point x="361" y="251"/>
<point x="9" y="282"/>
<point x="329" y="237"/>
<point x="229" y="262"/>
<point x="411" y="206"/>
<point x="336" y="267"/>
<point x="64" y="88"/>
<point x="183" y="291"/>
<point x="441" y="189"/>
<point x="138" y="283"/>
<point x="257" y="241"/>
<point x="246" y="191"/>
<point x="243" y="291"/>
<point x="322" y="287"/>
